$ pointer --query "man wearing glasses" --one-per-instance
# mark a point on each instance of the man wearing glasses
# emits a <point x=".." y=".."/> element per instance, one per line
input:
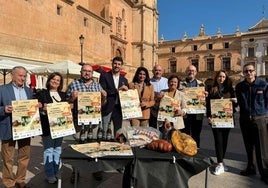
<point x="252" y="97"/>
<point x="193" y="122"/>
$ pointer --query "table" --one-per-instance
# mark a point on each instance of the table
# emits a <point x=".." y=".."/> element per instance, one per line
<point x="145" y="169"/>
<point x="155" y="169"/>
<point x="91" y="165"/>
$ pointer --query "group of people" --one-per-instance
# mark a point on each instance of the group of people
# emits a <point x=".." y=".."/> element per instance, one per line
<point x="251" y="95"/>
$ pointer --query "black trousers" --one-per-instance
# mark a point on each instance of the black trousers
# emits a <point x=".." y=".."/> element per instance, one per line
<point x="221" y="140"/>
<point x="255" y="136"/>
<point x="193" y="127"/>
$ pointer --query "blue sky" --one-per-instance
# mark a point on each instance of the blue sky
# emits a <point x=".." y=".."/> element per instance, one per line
<point x="180" y="16"/>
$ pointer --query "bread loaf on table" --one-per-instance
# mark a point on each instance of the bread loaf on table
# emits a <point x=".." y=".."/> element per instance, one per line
<point x="183" y="143"/>
<point x="160" y="145"/>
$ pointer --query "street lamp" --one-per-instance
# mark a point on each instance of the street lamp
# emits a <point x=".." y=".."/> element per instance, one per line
<point x="81" y="38"/>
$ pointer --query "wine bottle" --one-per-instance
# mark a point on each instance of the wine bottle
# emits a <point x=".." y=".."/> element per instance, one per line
<point x="90" y="133"/>
<point x="100" y="132"/>
<point x="109" y="132"/>
<point x="82" y="134"/>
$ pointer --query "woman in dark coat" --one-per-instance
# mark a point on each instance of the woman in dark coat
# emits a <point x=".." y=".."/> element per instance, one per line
<point x="52" y="147"/>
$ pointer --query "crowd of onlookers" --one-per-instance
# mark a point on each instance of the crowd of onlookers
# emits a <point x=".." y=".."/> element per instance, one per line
<point x="251" y="95"/>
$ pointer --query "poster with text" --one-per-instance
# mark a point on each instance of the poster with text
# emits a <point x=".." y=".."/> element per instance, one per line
<point x="222" y="113"/>
<point x="166" y="112"/>
<point x="195" y="100"/>
<point x="89" y="108"/>
<point x="130" y="104"/>
<point x="60" y="119"/>
<point x="25" y="119"/>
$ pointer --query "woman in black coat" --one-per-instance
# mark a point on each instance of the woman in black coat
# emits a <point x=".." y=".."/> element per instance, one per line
<point x="52" y="147"/>
<point x="221" y="89"/>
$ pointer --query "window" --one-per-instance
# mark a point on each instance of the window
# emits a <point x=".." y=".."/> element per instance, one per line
<point x="251" y="40"/>
<point x="103" y="29"/>
<point x="173" y="66"/>
<point x="210" y="46"/>
<point x="173" y="50"/>
<point x="210" y="64"/>
<point x="194" y="47"/>
<point x="85" y="22"/>
<point x="226" y="63"/>
<point x="195" y="63"/>
<point x="226" y="45"/>
<point x="59" y="10"/>
<point x="266" y="68"/>
<point x="251" y="52"/>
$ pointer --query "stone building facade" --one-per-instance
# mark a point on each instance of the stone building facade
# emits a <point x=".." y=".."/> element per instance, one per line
<point x="212" y="53"/>
<point x="44" y="32"/>
<point x="207" y="53"/>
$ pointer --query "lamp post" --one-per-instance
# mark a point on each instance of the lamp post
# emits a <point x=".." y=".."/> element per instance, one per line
<point x="81" y="38"/>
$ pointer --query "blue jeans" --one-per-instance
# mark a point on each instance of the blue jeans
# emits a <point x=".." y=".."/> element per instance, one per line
<point x="52" y="151"/>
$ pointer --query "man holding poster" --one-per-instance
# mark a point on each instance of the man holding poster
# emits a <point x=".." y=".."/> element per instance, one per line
<point x="15" y="90"/>
<point x="193" y="121"/>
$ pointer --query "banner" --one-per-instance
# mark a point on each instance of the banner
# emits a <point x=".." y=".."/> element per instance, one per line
<point x="89" y="108"/>
<point x="60" y="119"/>
<point x="195" y="100"/>
<point x="25" y="119"/>
<point x="222" y="113"/>
<point x="130" y="104"/>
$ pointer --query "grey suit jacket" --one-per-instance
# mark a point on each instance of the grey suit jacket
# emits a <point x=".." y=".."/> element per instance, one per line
<point x="6" y="96"/>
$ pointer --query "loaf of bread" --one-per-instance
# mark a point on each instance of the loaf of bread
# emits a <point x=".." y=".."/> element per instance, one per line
<point x="183" y="143"/>
<point x="160" y="145"/>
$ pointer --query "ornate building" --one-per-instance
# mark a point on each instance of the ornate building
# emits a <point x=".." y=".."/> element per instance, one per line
<point x="212" y="53"/>
<point x="254" y="44"/>
<point x="207" y="53"/>
<point x="40" y="32"/>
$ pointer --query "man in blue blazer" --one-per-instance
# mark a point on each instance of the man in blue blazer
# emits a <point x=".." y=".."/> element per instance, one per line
<point x="15" y="90"/>
<point x="112" y="82"/>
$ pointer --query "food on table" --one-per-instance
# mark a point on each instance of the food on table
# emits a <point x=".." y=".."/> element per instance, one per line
<point x="184" y="143"/>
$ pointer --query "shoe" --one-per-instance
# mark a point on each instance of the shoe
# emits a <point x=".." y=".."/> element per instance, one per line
<point x="248" y="171"/>
<point x="97" y="175"/>
<point x="218" y="170"/>
<point x="51" y="180"/>
<point x="265" y="180"/>
<point x="121" y="170"/>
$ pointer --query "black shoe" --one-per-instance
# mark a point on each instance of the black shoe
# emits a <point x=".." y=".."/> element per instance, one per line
<point x="265" y="180"/>
<point x="248" y="171"/>
<point x="97" y="175"/>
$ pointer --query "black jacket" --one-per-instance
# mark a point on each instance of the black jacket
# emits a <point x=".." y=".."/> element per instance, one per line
<point x="43" y="96"/>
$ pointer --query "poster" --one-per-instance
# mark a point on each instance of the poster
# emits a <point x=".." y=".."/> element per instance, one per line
<point x="195" y="100"/>
<point x="101" y="149"/>
<point x="60" y="119"/>
<point x="25" y="119"/>
<point x="222" y="113"/>
<point x="130" y="104"/>
<point x="89" y="108"/>
<point x="166" y="112"/>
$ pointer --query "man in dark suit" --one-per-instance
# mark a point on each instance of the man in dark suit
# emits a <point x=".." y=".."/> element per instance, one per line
<point x="15" y="90"/>
<point x="112" y="82"/>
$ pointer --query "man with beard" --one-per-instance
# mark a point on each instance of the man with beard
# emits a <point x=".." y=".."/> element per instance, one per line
<point x="85" y="84"/>
<point x="193" y="122"/>
<point x="112" y="82"/>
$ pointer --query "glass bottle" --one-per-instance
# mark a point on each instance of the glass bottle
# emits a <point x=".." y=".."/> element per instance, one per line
<point x="90" y="133"/>
<point x="100" y="132"/>
<point x="109" y="132"/>
<point x="82" y="134"/>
